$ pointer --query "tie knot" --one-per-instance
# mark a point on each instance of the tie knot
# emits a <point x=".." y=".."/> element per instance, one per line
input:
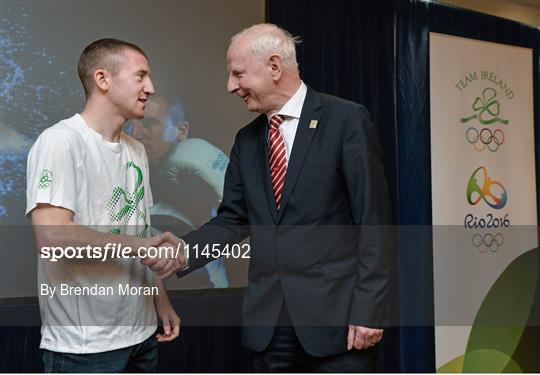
<point x="276" y="120"/>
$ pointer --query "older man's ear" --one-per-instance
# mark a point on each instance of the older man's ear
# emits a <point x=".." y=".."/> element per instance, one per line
<point x="183" y="133"/>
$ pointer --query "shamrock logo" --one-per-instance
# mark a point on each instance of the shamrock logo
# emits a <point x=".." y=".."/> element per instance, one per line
<point x="484" y="106"/>
<point x="124" y="204"/>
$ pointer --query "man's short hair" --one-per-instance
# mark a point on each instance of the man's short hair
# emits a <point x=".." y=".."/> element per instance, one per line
<point x="102" y="54"/>
<point x="267" y="38"/>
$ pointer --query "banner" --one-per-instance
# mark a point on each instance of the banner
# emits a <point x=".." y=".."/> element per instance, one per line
<point x="484" y="202"/>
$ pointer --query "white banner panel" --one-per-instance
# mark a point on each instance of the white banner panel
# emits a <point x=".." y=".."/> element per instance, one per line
<point x="483" y="192"/>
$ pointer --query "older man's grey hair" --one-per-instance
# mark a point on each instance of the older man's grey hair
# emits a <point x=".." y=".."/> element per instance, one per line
<point x="268" y="39"/>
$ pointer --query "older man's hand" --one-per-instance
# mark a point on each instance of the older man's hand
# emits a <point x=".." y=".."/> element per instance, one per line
<point x="362" y="337"/>
<point x="170" y="259"/>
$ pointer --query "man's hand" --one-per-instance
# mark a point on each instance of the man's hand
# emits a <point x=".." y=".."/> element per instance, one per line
<point x="171" y="321"/>
<point x="170" y="261"/>
<point x="362" y="337"/>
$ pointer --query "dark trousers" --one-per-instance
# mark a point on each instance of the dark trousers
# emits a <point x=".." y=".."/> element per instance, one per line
<point x="285" y="354"/>
<point x="137" y="358"/>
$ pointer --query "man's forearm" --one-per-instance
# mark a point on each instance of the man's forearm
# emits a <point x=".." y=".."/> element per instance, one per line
<point x="162" y="291"/>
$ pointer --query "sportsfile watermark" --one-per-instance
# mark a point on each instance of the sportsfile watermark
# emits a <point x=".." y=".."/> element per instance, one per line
<point x="109" y="251"/>
<point x="118" y="251"/>
<point x="483" y="269"/>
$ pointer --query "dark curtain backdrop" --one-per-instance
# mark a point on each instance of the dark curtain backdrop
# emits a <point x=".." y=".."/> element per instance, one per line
<point x="373" y="52"/>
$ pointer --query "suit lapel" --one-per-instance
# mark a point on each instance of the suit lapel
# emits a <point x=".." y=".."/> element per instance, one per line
<point x="302" y="141"/>
<point x="262" y="154"/>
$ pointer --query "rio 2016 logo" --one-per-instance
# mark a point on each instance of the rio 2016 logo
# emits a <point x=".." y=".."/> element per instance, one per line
<point x="482" y="187"/>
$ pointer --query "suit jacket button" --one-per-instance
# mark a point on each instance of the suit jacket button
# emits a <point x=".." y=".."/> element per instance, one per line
<point x="279" y="232"/>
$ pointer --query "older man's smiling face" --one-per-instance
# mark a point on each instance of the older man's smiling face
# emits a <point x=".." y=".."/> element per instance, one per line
<point x="250" y="77"/>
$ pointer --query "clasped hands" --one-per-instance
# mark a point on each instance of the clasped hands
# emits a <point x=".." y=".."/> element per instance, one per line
<point x="171" y="257"/>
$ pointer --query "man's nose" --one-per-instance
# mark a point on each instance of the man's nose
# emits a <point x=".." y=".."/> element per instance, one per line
<point x="149" y="87"/>
<point x="232" y="85"/>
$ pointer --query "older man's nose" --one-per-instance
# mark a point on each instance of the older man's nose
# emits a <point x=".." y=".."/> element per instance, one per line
<point x="232" y="85"/>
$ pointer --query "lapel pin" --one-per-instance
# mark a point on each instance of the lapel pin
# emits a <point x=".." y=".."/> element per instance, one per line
<point x="313" y="124"/>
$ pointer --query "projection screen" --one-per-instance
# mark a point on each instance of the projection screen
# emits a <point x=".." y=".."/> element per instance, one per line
<point x="186" y="42"/>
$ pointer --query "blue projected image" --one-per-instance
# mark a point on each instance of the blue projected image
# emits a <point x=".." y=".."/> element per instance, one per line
<point x="30" y="93"/>
<point x="40" y="45"/>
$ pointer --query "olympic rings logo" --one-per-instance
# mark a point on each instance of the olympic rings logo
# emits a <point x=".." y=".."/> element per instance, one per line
<point x="485" y="138"/>
<point x="488" y="242"/>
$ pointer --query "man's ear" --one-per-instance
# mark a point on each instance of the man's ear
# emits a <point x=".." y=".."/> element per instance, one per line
<point x="102" y="79"/>
<point x="183" y="132"/>
<point x="276" y="67"/>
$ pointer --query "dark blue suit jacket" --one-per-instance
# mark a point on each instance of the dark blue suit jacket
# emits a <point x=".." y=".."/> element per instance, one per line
<point x="325" y="251"/>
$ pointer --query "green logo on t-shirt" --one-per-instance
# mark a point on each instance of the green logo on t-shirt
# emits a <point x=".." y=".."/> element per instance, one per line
<point x="45" y="179"/>
<point x="124" y="204"/>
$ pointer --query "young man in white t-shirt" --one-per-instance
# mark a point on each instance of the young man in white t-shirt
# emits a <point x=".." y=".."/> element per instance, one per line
<point x="88" y="186"/>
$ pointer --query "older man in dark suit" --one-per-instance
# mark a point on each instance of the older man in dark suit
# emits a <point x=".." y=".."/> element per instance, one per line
<point x="306" y="183"/>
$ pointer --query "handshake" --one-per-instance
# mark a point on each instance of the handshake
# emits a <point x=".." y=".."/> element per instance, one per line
<point x="170" y="255"/>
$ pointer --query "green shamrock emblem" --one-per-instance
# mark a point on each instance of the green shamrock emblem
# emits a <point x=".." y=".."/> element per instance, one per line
<point x="129" y="202"/>
<point x="486" y="106"/>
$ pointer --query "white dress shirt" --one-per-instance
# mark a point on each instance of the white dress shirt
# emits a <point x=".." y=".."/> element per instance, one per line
<point x="292" y="110"/>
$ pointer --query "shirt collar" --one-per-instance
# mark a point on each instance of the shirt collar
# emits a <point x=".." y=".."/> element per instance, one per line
<point x="293" y="108"/>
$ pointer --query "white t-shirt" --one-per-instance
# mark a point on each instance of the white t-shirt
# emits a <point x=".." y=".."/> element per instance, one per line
<point x="106" y="186"/>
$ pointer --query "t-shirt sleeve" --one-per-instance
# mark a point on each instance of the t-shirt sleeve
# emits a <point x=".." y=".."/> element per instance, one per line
<point x="50" y="173"/>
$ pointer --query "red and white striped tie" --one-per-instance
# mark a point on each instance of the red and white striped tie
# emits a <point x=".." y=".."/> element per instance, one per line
<point x="277" y="156"/>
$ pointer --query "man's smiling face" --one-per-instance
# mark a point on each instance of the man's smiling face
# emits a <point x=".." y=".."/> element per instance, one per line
<point x="132" y="86"/>
<point x="250" y="77"/>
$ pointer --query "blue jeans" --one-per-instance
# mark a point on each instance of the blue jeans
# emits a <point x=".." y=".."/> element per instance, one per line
<point x="137" y="358"/>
